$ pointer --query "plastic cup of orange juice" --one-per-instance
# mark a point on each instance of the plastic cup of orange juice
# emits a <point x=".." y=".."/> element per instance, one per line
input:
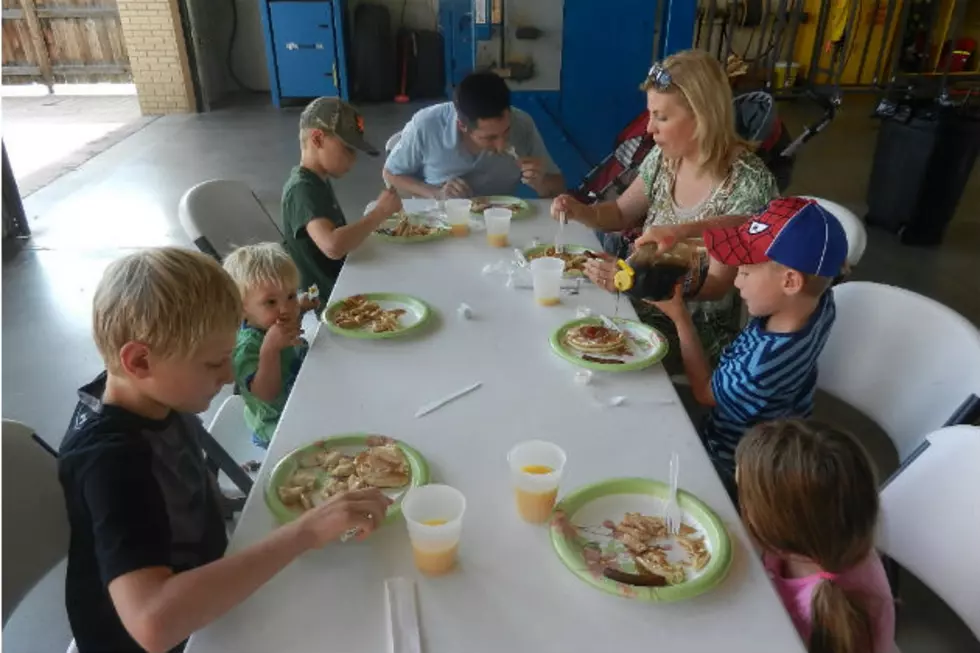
<point x="434" y="514"/>
<point x="458" y="215"/>
<point x="498" y="226"/>
<point x="535" y="470"/>
<point x="546" y="274"/>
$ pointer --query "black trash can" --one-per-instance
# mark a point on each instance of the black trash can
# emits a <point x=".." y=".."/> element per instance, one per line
<point x="923" y="159"/>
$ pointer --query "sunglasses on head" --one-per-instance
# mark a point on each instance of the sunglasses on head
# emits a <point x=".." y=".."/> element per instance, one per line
<point x="659" y="77"/>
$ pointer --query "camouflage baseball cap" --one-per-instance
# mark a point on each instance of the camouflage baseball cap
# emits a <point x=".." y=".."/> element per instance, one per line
<point x="335" y="116"/>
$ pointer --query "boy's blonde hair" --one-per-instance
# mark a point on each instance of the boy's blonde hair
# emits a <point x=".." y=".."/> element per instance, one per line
<point x="169" y="299"/>
<point x="700" y="81"/>
<point x="263" y="263"/>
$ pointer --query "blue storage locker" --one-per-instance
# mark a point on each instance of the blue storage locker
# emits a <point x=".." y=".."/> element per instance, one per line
<point x="305" y="48"/>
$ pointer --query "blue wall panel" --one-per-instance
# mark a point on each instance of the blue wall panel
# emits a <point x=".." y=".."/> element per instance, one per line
<point x="607" y="52"/>
<point x="679" y="22"/>
<point x="545" y="108"/>
<point x="456" y="24"/>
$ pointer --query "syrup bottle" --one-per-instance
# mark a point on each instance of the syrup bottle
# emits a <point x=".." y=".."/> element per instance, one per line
<point x="652" y="275"/>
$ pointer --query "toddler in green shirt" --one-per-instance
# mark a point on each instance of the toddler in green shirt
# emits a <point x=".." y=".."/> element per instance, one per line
<point x="269" y="348"/>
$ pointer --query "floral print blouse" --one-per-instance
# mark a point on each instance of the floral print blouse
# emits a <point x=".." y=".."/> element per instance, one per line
<point x="747" y="189"/>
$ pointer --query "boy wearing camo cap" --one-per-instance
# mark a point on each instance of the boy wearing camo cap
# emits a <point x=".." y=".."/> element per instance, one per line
<point x="317" y="234"/>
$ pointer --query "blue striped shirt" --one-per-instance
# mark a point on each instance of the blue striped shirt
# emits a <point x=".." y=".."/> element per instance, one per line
<point x="764" y="376"/>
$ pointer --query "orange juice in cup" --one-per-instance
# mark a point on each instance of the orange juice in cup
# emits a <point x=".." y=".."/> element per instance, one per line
<point x="535" y="469"/>
<point x="498" y="226"/>
<point x="434" y="515"/>
<point x="458" y="215"/>
<point x="546" y="275"/>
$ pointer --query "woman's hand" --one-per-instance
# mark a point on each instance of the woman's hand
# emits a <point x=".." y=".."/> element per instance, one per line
<point x="663" y="236"/>
<point x="571" y="207"/>
<point x="602" y="271"/>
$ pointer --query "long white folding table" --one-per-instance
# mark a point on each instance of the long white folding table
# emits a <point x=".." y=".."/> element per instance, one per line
<point x="511" y="592"/>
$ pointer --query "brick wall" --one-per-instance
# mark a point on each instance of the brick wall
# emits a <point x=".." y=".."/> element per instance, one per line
<point x="157" y="55"/>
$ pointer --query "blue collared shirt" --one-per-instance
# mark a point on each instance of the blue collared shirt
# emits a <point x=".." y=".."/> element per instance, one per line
<point x="431" y="149"/>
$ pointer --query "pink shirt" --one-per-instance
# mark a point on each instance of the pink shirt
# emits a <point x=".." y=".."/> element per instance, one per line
<point x="867" y="577"/>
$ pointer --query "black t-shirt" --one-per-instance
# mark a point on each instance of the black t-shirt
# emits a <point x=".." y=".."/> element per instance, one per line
<point x="138" y="495"/>
<point x="305" y="197"/>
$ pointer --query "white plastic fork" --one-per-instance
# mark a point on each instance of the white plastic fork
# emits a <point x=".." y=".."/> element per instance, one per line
<point x="672" y="511"/>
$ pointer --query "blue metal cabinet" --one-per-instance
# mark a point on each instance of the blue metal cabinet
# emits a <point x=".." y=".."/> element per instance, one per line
<point x="456" y="24"/>
<point x="305" y="49"/>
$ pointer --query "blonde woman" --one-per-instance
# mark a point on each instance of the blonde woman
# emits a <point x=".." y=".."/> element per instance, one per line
<point x="700" y="175"/>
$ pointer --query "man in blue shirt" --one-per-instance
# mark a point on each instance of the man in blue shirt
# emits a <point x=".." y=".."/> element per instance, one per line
<point x="473" y="146"/>
<point x="787" y="257"/>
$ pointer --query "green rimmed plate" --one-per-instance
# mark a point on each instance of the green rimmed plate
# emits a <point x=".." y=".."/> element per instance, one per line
<point x="647" y="346"/>
<point x="505" y="202"/>
<point x="349" y="444"/>
<point x="417" y="313"/>
<point x="542" y="250"/>
<point x="440" y="229"/>
<point x="582" y="538"/>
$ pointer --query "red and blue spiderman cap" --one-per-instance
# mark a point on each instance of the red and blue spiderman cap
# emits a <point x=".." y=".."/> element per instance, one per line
<point x="793" y="231"/>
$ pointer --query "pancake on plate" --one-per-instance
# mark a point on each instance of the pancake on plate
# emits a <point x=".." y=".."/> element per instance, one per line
<point x="480" y="204"/>
<point x="595" y="339"/>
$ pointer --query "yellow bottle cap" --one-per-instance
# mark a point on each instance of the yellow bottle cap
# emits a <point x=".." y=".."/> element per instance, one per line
<point x="623" y="280"/>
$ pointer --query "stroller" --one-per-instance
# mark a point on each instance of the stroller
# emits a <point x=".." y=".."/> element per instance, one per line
<point x="756" y="120"/>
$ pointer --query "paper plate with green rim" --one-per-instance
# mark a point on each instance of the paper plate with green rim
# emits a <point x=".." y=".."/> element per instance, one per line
<point x="532" y="253"/>
<point x="349" y="444"/>
<point x="647" y="346"/>
<point x="439" y="229"/>
<point x="522" y="209"/>
<point x="417" y="313"/>
<point x="582" y="537"/>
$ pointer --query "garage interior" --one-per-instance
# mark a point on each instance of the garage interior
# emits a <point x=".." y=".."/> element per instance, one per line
<point x="214" y="108"/>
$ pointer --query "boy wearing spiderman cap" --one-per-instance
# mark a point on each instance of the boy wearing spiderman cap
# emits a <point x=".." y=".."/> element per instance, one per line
<point x="787" y="256"/>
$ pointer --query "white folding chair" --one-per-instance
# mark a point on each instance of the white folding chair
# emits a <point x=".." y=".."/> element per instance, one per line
<point x="222" y="214"/>
<point x="228" y="428"/>
<point x="393" y="141"/>
<point x="35" y="528"/>
<point x="904" y="360"/>
<point x="857" y="235"/>
<point x="930" y="519"/>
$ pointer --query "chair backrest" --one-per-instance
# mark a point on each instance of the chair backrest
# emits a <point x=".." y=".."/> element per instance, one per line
<point x="857" y="235"/>
<point x="228" y="428"/>
<point x="35" y="522"/>
<point x="904" y="360"/>
<point x="222" y="214"/>
<point x="393" y="141"/>
<point x="930" y="519"/>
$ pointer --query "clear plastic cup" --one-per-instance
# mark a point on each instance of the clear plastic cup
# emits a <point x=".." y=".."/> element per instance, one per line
<point x="458" y="216"/>
<point x="434" y="514"/>
<point x="498" y="226"/>
<point x="535" y="471"/>
<point x="546" y="274"/>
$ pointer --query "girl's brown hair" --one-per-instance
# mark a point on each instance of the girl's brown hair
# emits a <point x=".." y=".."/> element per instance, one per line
<point x="810" y="490"/>
<point x="701" y="83"/>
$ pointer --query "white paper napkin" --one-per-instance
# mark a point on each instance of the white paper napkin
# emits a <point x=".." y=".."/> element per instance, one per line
<point x="403" y="617"/>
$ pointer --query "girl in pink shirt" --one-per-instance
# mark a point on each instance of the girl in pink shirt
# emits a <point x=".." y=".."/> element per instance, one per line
<point x="809" y="497"/>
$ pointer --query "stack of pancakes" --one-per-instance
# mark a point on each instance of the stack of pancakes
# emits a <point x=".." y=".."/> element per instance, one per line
<point x="595" y="339"/>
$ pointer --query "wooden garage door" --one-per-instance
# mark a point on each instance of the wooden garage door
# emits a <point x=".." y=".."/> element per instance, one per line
<point x="63" y="41"/>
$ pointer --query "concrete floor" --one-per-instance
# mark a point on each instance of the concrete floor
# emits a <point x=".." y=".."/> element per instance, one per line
<point x="126" y="198"/>
<point x="48" y="136"/>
